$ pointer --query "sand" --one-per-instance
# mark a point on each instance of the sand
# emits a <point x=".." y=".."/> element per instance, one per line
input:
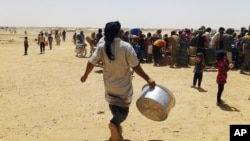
<point x="42" y="99"/>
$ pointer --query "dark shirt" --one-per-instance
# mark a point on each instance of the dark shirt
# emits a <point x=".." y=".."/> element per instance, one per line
<point x="98" y="37"/>
<point x="64" y="33"/>
<point x="198" y="67"/>
<point x="226" y="42"/>
<point x="50" y="39"/>
<point x="26" y="44"/>
<point x="201" y="42"/>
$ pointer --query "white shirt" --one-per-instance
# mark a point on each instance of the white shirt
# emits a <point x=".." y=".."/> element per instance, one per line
<point x="215" y="40"/>
<point x="116" y="73"/>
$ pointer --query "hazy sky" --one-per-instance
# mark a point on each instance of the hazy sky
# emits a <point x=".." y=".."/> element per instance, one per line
<point x="131" y="13"/>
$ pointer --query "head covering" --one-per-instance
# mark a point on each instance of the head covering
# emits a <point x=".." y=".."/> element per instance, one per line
<point x="220" y="55"/>
<point x="111" y="30"/>
<point x="200" y="31"/>
<point x="100" y="30"/>
<point x="173" y="32"/>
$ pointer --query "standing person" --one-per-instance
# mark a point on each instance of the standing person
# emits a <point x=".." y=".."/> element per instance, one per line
<point x="141" y="43"/>
<point x="174" y="45"/>
<point x="223" y="67"/>
<point x="198" y="70"/>
<point x="26" y="45"/>
<point x="201" y="44"/>
<point x="38" y="38"/>
<point x="226" y="43"/>
<point x="184" y="45"/>
<point x="166" y="57"/>
<point x="83" y="36"/>
<point x="98" y="36"/>
<point x="246" y="51"/>
<point x="64" y="35"/>
<point x="235" y="51"/>
<point x="74" y="38"/>
<point x="240" y="47"/>
<point x="208" y="37"/>
<point x="215" y="40"/>
<point x="92" y="43"/>
<point x="42" y="43"/>
<point x="118" y="57"/>
<point x="57" y="37"/>
<point x="159" y="48"/>
<point x="125" y="36"/>
<point x="148" y="48"/>
<point x="159" y="34"/>
<point x="50" y="41"/>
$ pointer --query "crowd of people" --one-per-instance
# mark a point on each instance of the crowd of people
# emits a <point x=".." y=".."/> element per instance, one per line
<point x="173" y="49"/>
<point x="156" y="47"/>
<point x="46" y="39"/>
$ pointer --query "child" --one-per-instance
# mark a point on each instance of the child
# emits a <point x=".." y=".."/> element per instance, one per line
<point x="223" y="67"/>
<point x="26" y="45"/>
<point x="198" y="70"/>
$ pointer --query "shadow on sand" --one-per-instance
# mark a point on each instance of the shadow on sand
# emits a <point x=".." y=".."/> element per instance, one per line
<point x="99" y="71"/>
<point x="244" y="73"/>
<point x="123" y="140"/>
<point x="224" y="106"/>
<point x="79" y="56"/>
<point x="130" y="140"/>
<point x="202" y="90"/>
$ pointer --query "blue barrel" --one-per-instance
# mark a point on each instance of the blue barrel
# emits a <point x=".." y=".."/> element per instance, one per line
<point x="134" y="31"/>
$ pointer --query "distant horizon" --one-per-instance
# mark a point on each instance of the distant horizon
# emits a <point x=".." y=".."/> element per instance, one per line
<point x="90" y="28"/>
<point x="161" y="14"/>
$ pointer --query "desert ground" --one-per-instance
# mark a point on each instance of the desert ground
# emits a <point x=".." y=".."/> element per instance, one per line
<point x="42" y="98"/>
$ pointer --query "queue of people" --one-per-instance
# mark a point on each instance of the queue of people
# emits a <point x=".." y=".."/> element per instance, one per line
<point x="176" y="47"/>
<point x="173" y="50"/>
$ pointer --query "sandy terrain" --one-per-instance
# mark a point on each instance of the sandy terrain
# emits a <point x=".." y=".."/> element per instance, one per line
<point x="42" y="99"/>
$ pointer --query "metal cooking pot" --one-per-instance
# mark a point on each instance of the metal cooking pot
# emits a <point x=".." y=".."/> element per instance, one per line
<point x="155" y="103"/>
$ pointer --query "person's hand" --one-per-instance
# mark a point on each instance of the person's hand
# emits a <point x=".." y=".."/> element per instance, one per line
<point x="231" y="65"/>
<point x="151" y="82"/>
<point x="83" y="78"/>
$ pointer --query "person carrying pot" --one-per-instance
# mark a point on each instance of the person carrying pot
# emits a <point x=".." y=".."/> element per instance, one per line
<point x="118" y="57"/>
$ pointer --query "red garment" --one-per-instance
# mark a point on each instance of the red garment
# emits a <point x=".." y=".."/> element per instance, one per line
<point x="222" y="72"/>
